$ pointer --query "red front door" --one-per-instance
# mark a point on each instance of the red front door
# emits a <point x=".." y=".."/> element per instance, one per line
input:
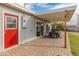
<point x="10" y="30"/>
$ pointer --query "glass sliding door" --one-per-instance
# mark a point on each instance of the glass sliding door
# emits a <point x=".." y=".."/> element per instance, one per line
<point x="47" y="29"/>
<point x="42" y="29"/>
<point x="39" y="29"/>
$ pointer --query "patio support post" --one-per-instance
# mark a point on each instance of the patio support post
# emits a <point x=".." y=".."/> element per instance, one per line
<point x="65" y="34"/>
<point x="65" y="29"/>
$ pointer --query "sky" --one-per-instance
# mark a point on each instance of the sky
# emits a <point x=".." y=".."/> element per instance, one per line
<point x="41" y="7"/>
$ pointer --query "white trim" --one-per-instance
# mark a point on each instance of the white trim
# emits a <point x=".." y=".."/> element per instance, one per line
<point x="10" y="47"/>
<point x="17" y="7"/>
<point x="15" y="18"/>
<point x="19" y="27"/>
<point x="3" y="30"/>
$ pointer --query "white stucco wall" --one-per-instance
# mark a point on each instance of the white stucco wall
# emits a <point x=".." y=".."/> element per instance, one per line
<point x="24" y="34"/>
<point x="30" y="31"/>
<point x="1" y="29"/>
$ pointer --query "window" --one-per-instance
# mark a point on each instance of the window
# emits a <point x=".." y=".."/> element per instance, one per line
<point x="10" y="22"/>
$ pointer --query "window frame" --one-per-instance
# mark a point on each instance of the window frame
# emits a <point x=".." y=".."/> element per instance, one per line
<point x="6" y="22"/>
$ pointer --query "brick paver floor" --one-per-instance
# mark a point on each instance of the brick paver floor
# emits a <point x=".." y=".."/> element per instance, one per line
<point x="41" y="47"/>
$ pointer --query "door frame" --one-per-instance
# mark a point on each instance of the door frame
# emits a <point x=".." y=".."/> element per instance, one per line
<point x="10" y="14"/>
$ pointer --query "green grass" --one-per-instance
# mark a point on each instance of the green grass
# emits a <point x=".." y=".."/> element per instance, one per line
<point x="74" y="43"/>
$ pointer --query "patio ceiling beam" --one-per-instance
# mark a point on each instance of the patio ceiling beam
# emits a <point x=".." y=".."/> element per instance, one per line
<point x="58" y="14"/>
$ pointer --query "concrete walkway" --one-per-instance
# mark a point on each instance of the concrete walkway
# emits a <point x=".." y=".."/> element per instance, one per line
<point x="41" y="47"/>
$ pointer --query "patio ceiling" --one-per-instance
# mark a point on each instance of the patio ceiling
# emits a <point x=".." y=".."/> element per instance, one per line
<point x="58" y="14"/>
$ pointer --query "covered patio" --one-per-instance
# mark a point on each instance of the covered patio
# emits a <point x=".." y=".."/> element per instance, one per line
<point x="63" y="15"/>
<point x="47" y="46"/>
